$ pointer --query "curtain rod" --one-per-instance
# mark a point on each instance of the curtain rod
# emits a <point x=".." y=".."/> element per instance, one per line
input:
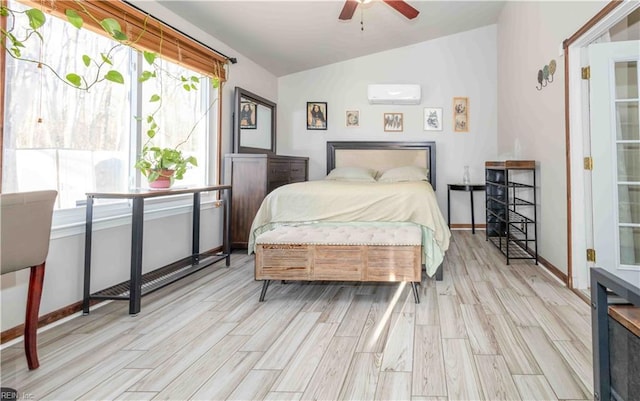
<point x="233" y="60"/>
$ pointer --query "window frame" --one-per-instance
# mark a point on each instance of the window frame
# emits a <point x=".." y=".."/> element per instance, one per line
<point x="69" y="221"/>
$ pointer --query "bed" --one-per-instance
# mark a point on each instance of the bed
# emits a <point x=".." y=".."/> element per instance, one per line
<point x="371" y="207"/>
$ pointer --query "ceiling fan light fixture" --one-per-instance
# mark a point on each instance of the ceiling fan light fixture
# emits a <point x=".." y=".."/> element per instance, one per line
<point x="364" y="1"/>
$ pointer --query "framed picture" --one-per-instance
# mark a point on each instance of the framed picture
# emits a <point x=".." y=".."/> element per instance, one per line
<point x="433" y="119"/>
<point x="352" y="118"/>
<point x="393" y="122"/>
<point x="248" y="115"/>
<point x="317" y="115"/>
<point x="461" y="114"/>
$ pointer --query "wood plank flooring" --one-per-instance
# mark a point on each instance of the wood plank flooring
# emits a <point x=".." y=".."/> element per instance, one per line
<point x="487" y="332"/>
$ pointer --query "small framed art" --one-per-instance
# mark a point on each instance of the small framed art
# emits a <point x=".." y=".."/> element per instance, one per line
<point x="248" y="115"/>
<point x="352" y="118"/>
<point x="317" y="115"/>
<point x="461" y="114"/>
<point x="393" y="122"/>
<point x="433" y="119"/>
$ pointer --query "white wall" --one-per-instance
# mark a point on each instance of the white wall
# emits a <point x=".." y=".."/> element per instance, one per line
<point x="111" y="250"/>
<point x="530" y="34"/>
<point x="463" y="64"/>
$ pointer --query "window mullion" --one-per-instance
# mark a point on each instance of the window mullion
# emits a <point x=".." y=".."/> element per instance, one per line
<point x="135" y="178"/>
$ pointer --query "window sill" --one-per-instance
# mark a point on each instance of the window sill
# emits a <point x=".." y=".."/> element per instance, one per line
<point x="124" y="217"/>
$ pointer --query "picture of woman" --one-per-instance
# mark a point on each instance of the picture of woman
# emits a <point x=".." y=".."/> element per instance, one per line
<point x="248" y="117"/>
<point x="353" y="118"/>
<point x="317" y="115"/>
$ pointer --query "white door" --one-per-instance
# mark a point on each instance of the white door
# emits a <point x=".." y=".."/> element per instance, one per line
<point x="615" y="148"/>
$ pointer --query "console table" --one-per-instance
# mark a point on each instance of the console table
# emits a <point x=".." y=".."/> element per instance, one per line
<point x="467" y="188"/>
<point x="139" y="284"/>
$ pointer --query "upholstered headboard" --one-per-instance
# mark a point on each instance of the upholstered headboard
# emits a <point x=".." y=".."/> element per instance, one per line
<point x="382" y="156"/>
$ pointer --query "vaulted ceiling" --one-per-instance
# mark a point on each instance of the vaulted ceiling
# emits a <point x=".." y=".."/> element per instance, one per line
<point x="285" y="37"/>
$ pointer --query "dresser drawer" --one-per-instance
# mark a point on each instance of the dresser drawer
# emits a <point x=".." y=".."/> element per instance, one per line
<point x="278" y="170"/>
<point x="273" y="184"/>
<point x="298" y="171"/>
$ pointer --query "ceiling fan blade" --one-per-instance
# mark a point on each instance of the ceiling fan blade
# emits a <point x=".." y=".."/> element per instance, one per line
<point x="348" y="9"/>
<point x="403" y="8"/>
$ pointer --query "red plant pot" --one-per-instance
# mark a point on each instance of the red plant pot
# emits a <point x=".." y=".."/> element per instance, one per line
<point x="163" y="181"/>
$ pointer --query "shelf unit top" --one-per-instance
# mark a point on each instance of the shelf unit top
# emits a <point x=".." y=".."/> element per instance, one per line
<point x="511" y="164"/>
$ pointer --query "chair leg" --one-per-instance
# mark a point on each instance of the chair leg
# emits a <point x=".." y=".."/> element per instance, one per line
<point x="36" y="280"/>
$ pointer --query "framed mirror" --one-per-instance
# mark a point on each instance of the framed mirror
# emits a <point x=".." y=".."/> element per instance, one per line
<point x="254" y="123"/>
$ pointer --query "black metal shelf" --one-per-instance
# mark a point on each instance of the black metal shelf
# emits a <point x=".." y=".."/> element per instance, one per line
<point x="158" y="278"/>
<point x="515" y="250"/>
<point x="511" y="217"/>
<point x="521" y="202"/>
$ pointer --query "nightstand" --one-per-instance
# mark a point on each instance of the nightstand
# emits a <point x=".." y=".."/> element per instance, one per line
<point x="467" y="188"/>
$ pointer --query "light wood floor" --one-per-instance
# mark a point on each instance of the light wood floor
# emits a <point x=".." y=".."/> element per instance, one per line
<point x="487" y="332"/>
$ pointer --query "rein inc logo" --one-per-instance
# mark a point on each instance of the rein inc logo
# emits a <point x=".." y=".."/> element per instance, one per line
<point x="10" y="394"/>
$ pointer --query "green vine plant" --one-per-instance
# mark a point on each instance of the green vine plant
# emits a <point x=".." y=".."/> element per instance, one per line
<point x="152" y="159"/>
<point x="13" y="44"/>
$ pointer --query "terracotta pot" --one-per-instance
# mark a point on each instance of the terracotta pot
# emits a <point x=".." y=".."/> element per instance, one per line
<point x="163" y="181"/>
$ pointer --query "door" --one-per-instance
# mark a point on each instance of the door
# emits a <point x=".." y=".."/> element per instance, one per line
<point x="615" y="148"/>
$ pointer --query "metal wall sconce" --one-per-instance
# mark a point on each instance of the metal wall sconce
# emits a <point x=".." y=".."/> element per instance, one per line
<point x="545" y="75"/>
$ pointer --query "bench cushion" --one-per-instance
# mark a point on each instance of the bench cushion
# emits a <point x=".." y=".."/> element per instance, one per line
<point x="318" y="234"/>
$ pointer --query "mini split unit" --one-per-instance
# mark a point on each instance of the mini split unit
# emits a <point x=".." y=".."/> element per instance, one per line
<point x="394" y="94"/>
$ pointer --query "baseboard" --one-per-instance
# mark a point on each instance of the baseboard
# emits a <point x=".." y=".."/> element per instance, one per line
<point x="49" y="318"/>
<point x="554" y="270"/>
<point x="581" y="295"/>
<point x="468" y="226"/>
<point x="15" y="332"/>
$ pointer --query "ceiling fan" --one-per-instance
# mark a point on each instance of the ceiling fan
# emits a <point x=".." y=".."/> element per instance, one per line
<point x="399" y="5"/>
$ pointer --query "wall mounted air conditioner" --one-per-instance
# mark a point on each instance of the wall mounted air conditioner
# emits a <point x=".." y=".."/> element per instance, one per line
<point x="393" y="94"/>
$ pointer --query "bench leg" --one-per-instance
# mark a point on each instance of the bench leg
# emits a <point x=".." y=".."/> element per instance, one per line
<point x="265" y="285"/>
<point x="416" y="297"/>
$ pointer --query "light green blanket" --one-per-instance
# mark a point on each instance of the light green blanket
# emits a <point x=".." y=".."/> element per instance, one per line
<point x="340" y="202"/>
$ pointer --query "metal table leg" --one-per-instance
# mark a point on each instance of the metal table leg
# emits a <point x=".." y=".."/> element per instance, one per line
<point x="449" y="207"/>
<point x="135" y="287"/>
<point x="226" y="241"/>
<point x="195" y="229"/>
<point x="473" y="224"/>
<point x="87" y="255"/>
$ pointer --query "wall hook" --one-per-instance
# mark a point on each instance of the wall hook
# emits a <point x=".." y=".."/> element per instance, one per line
<point x="545" y="75"/>
<point x="539" y="80"/>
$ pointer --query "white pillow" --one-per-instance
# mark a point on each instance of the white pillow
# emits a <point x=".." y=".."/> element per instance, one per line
<point x="352" y="174"/>
<point x="405" y="173"/>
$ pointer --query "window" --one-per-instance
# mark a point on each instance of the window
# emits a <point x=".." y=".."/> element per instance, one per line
<point x="59" y="137"/>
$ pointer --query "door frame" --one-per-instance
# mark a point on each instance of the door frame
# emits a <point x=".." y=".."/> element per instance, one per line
<point x="575" y="118"/>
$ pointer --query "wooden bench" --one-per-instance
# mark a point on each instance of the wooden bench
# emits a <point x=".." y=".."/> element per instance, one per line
<point x="340" y="253"/>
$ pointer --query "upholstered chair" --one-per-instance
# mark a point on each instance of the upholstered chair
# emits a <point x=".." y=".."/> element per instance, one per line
<point x="25" y="220"/>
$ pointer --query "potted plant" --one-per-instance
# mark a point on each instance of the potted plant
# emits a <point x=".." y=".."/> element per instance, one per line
<point x="162" y="166"/>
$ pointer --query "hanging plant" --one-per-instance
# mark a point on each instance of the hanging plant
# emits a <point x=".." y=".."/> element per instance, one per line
<point x="152" y="159"/>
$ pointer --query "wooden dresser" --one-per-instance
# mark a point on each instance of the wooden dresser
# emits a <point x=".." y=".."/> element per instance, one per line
<point x="252" y="177"/>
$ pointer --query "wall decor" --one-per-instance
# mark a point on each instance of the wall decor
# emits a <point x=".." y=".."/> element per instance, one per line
<point x="393" y="122"/>
<point x="352" y="118"/>
<point x="433" y="119"/>
<point x="317" y="115"/>
<point x="545" y="75"/>
<point x="248" y="115"/>
<point x="461" y="114"/>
